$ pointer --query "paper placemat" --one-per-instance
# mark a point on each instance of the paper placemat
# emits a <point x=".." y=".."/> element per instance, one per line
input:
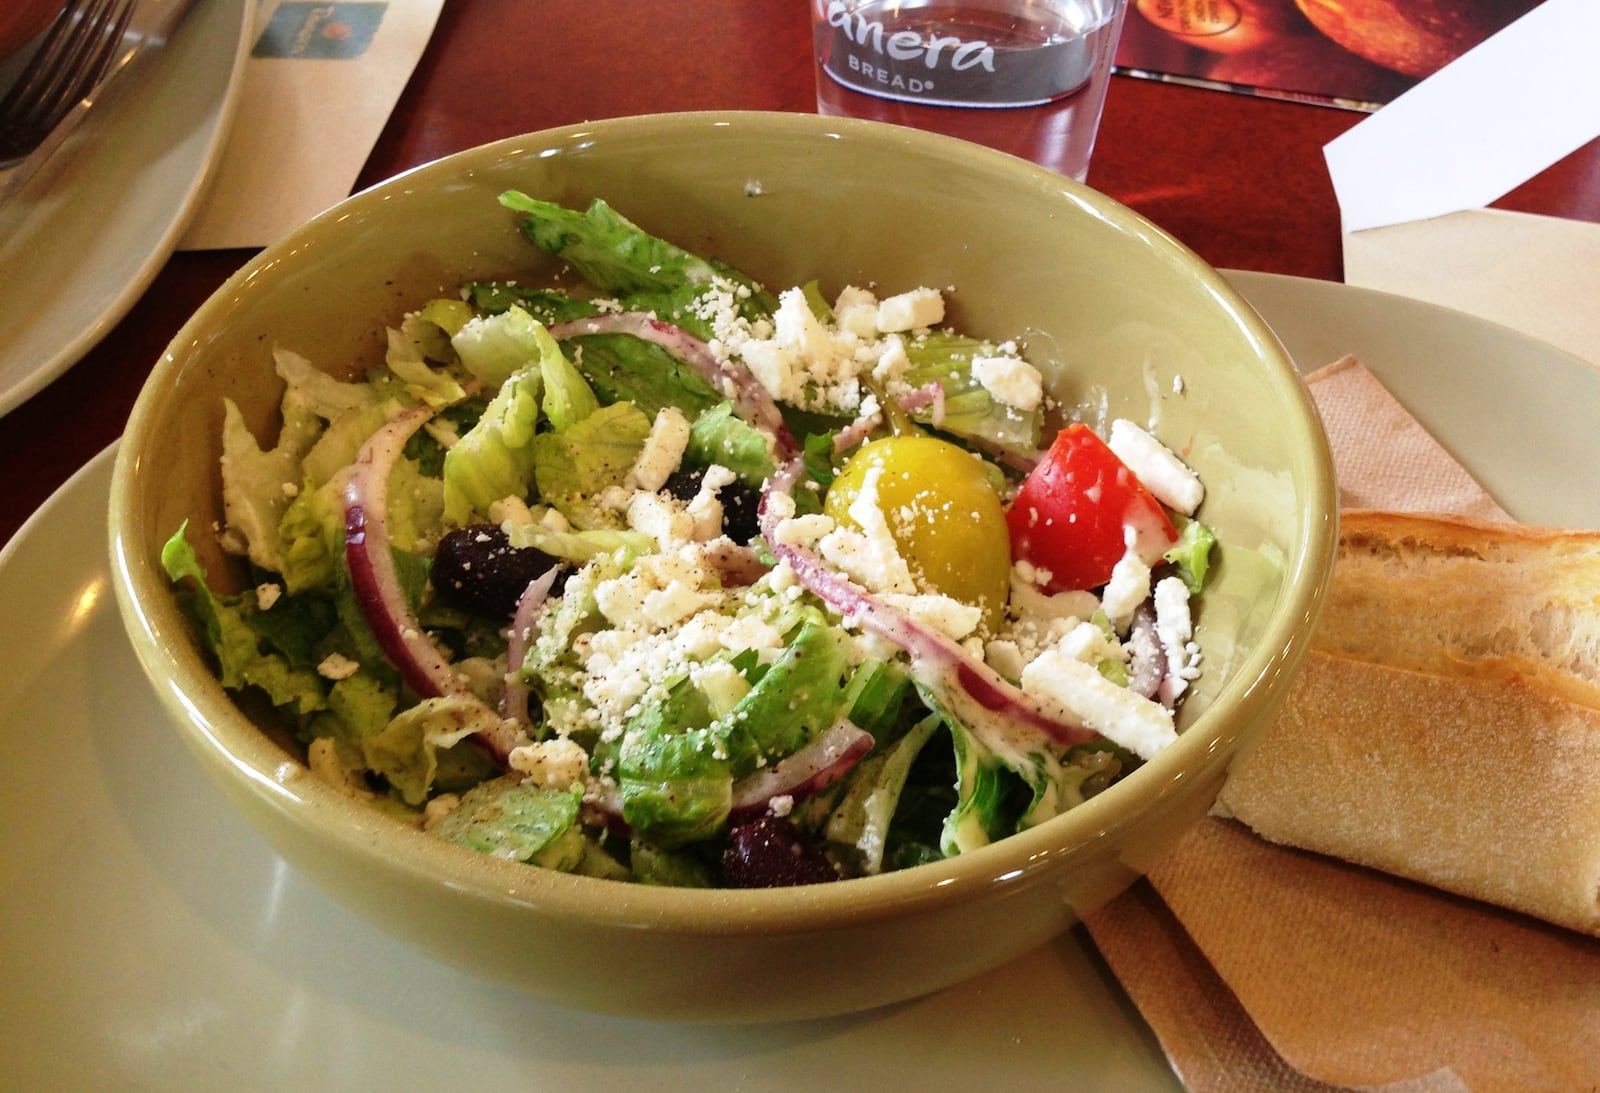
<point x="319" y="86"/>
<point x="1535" y="274"/>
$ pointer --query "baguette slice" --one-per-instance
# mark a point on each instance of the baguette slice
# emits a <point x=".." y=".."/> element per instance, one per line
<point x="1419" y="590"/>
<point x="1446" y="725"/>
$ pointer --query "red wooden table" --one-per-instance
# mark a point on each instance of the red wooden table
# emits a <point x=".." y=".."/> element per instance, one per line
<point x="1240" y="179"/>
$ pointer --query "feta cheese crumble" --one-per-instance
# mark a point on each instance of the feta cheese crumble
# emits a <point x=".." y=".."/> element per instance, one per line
<point x="1012" y="381"/>
<point x="1166" y="476"/>
<point x="1070" y="688"/>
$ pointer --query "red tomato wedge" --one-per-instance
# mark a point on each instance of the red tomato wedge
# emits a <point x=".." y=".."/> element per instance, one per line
<point x="1068" y="517"/>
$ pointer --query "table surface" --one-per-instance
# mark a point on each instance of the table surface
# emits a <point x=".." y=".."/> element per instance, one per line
<point x="1239" y="179"/>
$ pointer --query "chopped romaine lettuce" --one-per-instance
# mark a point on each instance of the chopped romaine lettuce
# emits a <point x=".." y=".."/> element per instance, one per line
<point x="1191" y="554"/>
<point x="512" y="819"/>
<point x="495" y="459"/>
<point x="574" y="466"/>
<point x="243" y="658"/>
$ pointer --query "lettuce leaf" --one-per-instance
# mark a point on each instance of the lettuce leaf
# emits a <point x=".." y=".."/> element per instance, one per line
<point x="257" y="484"/>
<point x="412" y="351"/>
<point x="606" y="249"/>
<point x="243" y="660"/>
<point x="623" y="368"/>
<point x="519" y="821"/>
<point x="496" y="347"/>
<point x="573" y="466"/>
<point x="676" y="784"/>
<point x="717" y="436"/>
<point x="406" y="750"/>
<point x="969" y="410"/>
<point x="800" y="696"/>
<point x="495" y="459"/>
<point x="568" y="398"/>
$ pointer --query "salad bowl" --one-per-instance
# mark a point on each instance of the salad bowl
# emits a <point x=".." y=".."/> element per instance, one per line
<point x="1122" y="321"/>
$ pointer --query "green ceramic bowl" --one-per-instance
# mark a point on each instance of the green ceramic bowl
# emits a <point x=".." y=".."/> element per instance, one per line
<point x="1120" y="313"/>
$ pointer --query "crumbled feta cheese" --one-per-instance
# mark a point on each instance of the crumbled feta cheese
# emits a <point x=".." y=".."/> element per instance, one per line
<point x="1013" y="382"/>
<point x="1129" y="585"/>
<point x="557" y="763"/>
<point x="1030" y="601"/>
<point x="668" y="606"/>
<point x="1175" y="629"/>
<point x="1089" y="643"/>
<point x="950" y="617"/>
<point x="705" y="509"/>
<point x="803" y="530"/>
<point x="1166" y="476"/>
<point x="337" y="666"/>
<point x="267" y="594"/>
<point x="921" y="307"/>
<point x="1070" y="688"/>
<point x="664" y="519"/>
<point x="1004" y="656"/>
<point x="510" y="512"/>
<point x="868" y="553"/>
<point x="856" y="311"/>
<point x="892" y="364"/>
<point x="439" y="807"/>
<point x="796" y="328"/>
<point x="662" y="452"/>
<point x="774" y="367"/>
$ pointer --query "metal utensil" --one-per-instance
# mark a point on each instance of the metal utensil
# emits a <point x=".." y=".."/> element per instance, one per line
<point x="71" y="59"/>
<point x="90" y="45"/>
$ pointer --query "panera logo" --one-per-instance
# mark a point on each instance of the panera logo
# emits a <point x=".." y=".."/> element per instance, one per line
<point x="903" y="46"/>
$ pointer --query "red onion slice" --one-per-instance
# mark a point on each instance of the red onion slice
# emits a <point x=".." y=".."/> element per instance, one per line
<point x="377" y="586"/>
<point x="514" y="702"/>
<point x="929" y="394"/>
<point x="803" y="773"/>
<point x="751" y="402"/>
<point x="372" y="574"/>
<point x="1147" y="663"/>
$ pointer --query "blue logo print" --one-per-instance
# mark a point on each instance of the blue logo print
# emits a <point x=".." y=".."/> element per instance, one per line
<point x="336" y="31"/>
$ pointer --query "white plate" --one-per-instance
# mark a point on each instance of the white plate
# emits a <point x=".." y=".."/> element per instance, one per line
<point x="84" y="239"/>
<point x="152" y="940"/>
<point x="1519" y="414"/>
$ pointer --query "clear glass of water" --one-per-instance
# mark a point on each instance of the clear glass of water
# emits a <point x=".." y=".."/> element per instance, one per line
<point x="1028" y="77"/>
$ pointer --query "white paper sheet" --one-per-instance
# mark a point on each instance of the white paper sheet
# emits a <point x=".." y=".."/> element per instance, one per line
<point x="1482" y="125"/>
<point x="321" y="82"/>
<point x="1536" y="274"/>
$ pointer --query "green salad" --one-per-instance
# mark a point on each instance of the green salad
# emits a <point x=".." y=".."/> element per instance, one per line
<point x="659" y="576"/>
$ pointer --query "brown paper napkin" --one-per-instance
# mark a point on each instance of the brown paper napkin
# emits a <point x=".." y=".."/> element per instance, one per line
<point x="1262" y="967"/>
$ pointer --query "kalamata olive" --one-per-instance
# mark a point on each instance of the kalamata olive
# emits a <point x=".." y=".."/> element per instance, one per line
<point x="477" y="569"/>
<point x="739" y="502"/>
<point x="770" y="852"/>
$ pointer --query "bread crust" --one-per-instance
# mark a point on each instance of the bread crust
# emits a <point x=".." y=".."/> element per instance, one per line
<point x="1446" y="725"/>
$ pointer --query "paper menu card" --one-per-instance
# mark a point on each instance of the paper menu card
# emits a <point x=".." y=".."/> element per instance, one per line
<point x="319" y="85"/>
<point x="1477" y="128"/>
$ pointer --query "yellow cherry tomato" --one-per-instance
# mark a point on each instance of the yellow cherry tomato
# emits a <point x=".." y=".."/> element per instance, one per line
<point x="943" y="513"/>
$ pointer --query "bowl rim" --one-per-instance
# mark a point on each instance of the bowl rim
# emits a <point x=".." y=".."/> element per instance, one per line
<point x="222" y="736"/>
